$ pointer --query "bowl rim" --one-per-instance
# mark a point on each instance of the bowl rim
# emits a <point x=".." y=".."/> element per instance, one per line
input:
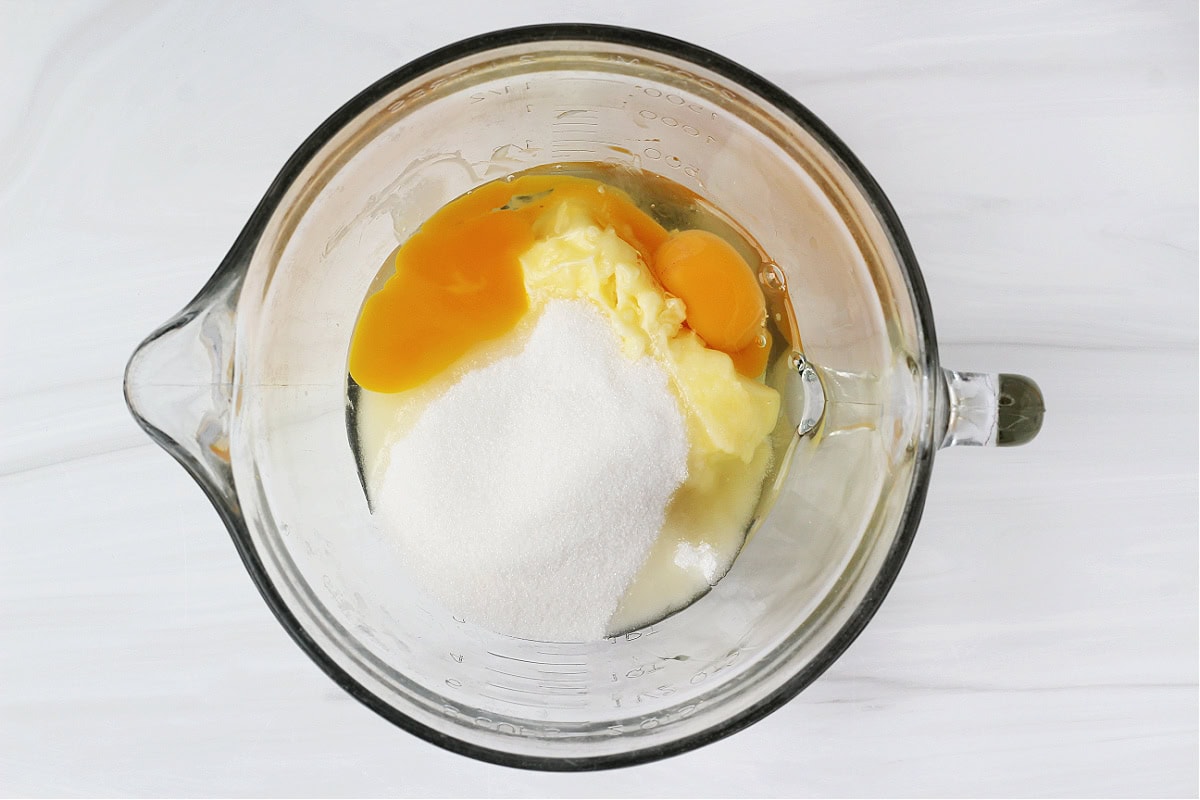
<point x="233" y="266"/>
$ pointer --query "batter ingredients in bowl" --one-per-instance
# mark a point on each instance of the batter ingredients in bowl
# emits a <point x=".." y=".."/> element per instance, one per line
<point x="484" y="481"/>
<point x="558" y="404"/>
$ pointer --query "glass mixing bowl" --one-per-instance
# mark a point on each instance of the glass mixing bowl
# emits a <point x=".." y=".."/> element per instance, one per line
<point x="247" y="388"/>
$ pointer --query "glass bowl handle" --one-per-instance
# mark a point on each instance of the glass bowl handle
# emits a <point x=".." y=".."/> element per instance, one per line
<point x="179" y="386"/>
<point x="989" y="409"/>
<point x="973" y="408"/>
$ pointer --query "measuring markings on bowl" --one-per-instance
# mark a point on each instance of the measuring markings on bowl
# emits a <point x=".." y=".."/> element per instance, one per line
<point x="538" y="663"/>
<point x="649" y="722"/>
<point x="718" y="666"/>
<point x="543" y="680"/>
<point x="674" y="122"/>
<point x="503" y="91"/>
<point x="637" y="672"/>
<point x="499" y="726"/>
<point x="542" y="689"/>
<point x="672" y="161"/>
<point x="525" y="697"/>
<point x="654" y="693"/>
<point x="673" y="99"/>
<point x="678" y="105"/>
<point x="574" y="132"/>
<point x="724" y="91"/>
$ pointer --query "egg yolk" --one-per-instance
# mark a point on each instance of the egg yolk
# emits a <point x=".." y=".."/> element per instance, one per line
<point x="725" y="307"/>
<point x="458" y="281"/>
<point x="751" y="360"/>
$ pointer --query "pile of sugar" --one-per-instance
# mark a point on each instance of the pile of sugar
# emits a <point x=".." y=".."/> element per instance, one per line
<point x="527" y="496"/>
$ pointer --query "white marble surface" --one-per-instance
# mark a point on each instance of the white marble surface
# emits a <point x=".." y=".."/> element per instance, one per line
<point x="1042" y="638"/>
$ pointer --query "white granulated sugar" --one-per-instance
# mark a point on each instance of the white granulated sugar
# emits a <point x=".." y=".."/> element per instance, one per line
<point x="527" y="496"/>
